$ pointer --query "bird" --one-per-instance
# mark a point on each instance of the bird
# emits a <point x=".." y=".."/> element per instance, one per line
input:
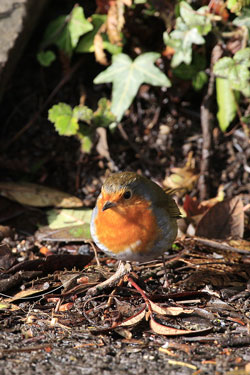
<point x="134" y="219"/>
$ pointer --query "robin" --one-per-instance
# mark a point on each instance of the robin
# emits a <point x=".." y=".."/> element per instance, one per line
<point x="134" y="219"/>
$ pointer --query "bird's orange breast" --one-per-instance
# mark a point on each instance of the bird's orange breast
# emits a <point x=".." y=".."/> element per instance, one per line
<point x="127" y="226"/>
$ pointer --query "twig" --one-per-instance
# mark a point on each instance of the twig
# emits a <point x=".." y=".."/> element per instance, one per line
<point x="206" y="125"/>
<point x="219" y="245"/>
<point x="122" y="270"/>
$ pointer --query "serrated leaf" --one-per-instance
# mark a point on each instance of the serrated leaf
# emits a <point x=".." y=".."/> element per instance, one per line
<point x="45" y="58"/>
<point x="83" y="113"/>
<point x="65" y="31"/>
<point x="62" y="116"/>
<point x="226" y="103"/>
<point x="127" y="76"/>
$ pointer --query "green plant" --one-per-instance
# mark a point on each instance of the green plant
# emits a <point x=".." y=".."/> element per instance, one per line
<point x="189" y="58"/>
<point x="81" y="121"/>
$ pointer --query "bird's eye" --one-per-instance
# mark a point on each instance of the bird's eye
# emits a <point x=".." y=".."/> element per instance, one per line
<point x="127" y="194"/>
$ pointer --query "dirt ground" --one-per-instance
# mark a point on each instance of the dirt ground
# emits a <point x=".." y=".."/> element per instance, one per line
<point x="211" y="283"/>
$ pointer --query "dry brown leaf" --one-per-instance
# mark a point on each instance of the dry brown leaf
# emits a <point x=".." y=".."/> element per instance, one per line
<point x="172" y="310"/>
<point x="169" y="331"/>
<point x="38" y="195"/>
<point x="182" y="178"/>
<point x="102" y="145"/>
<point x="115" y="21"/>
<point x="224" y="220"/>
<point x="134" y="319"/>
<point x="100" y="55"/>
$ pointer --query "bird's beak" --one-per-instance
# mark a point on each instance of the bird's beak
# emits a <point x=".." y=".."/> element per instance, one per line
<point x="107" y="205"/>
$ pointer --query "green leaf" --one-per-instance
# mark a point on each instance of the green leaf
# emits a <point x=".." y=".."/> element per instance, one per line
<point x="189" y="29"/>
<point x="236" y="70"/>
<point x="181" y="40"/>
<point x="85" y="137"/>
<point x="243" y="57"/>
<point x="103" y="115"/>
<point x="223" y="66"/>
<point x="196" y="18"/>
<point x="86" y="43"/>
<point x="127" y="76"/>
<point x="78" y="25"/>
<point x="78" y="221"/>
<point x="45" y="58"/>
<point x="65" y="31"/>
<point x="243" y="19"/>
<point x="111" y="48"/>
<point x="227" y="103"/>
<point x="199" y="80"/>
<point x="62" y="116"/>
<point x="83" y="113"/>
<point x="61" y="218"/>
<point x="231" y="4"/>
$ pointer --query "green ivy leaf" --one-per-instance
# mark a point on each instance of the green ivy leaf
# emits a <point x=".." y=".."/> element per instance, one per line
<point x="62" y="116"/>
<point x="45" y="58"/>
<point x="86" y="43"/>
<point x="189" y="29"/>
<point x="196" y="18"/>
<point x="227" y="103"/>
<point x="236" y="70"/>
<point x="242" y="57"/>
<point x="65" y="31"/>
<point x="127" y="76"/>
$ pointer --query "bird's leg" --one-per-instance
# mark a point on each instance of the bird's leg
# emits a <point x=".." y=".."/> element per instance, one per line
<point x="123" y="269"/>
<point x="166" y="282"/>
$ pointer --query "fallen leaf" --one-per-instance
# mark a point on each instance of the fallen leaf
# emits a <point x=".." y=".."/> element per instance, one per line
<point x="183" y="178"/>
<point x="169" y="331"/>
<point x="7" y="258"/>
<point x="192" y="206"/>
<point x="38" y="195"/>
<point x="68" y="218"/>
<point x="53" y="263"/>
<point x="172" y="310"/>
<point x="224" y="220"/>
<point x="74" y="233"/>
<point x="135" y="318"/>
